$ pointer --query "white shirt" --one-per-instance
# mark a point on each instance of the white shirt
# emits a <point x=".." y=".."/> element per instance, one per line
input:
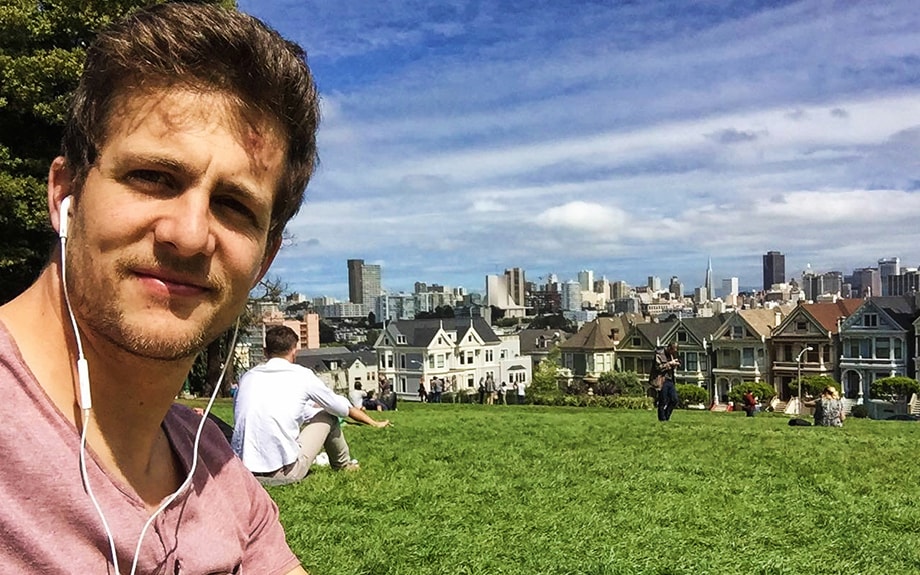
<point x="273" y="401"/>
<point x="356" y="396"/>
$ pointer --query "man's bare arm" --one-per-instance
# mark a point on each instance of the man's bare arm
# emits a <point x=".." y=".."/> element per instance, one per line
<point x="363" y="417"/>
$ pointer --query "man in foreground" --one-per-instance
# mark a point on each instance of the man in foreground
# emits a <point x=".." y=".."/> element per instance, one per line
<point x="187" y="148"/>
<point x="284" y="415"/>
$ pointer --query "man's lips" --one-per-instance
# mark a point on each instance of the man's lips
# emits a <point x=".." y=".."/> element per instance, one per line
<point x="166" y="283"/>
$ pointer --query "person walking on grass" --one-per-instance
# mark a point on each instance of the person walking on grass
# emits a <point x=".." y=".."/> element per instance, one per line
<point x="666" y="362"/>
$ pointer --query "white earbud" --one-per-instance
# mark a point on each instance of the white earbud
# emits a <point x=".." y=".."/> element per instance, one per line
<point x="64" y="216"/>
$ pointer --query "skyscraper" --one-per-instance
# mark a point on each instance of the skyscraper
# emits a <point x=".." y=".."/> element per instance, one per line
<point x="888" y="267"/>
<point x="774" y="269"/>
<point x="586" y="279"/>
<point x="363" y="283"/>
<point x="516" y="285"/>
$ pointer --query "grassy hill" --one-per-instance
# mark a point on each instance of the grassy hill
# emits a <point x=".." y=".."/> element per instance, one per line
<point x="507" y="490"/>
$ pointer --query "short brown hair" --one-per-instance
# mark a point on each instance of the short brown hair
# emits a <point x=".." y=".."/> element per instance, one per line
<point x="279" y="341"/>
<point x="206" y="48"/>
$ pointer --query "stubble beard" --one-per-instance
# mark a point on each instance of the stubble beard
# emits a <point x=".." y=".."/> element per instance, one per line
<point x="96" y="306"/>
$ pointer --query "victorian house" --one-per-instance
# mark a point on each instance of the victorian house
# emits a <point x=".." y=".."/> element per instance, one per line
<point x="740" y="348"/>
<point x="592" y="350"/>
<point x="877" y="341"/>
<point x="458" y="351"/>
<point x="806" y="342"/>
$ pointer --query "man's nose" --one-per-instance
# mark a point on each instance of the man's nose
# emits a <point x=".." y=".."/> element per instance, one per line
<point x="186" y="224"/>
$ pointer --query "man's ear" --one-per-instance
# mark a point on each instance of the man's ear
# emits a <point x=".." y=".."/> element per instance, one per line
<point x="60" y="185"/>
<point x="271" y="250"/>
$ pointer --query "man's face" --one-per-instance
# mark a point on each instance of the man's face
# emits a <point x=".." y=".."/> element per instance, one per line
<point x="170" y="230"/>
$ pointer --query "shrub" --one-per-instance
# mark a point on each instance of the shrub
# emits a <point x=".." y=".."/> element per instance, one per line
<point x="813" y="385"/>
<point x="689" y="394"/>
<point x="628" y="383"/>
<point x="860" y="411"/>
<point x="898" y="388"/>
<point x="760" y="389"/>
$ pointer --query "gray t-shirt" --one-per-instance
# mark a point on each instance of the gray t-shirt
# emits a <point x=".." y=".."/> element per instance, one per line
<point x="224" y="523"/>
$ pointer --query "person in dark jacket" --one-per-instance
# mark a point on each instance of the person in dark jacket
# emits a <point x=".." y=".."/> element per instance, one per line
<point x="666" y="361"/>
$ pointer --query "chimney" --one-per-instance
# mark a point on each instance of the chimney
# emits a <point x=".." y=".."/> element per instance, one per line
<point x="777" y="318"/>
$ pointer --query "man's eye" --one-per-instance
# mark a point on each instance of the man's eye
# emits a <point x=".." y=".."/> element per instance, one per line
<point x="237" y="209"/>
<point x="151" y="177"/>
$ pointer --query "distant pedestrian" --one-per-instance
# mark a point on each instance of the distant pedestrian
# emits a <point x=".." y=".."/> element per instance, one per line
<point x="750" y="403"/>
<point x="482" y="390"/>
<point x="422" y="394"/>
<point x="490" y="391"/>
<point x="453" y="389"/>
<point x="503" y="390"/>
<point x="666" y="361"/>
<point x="521" y="392"/>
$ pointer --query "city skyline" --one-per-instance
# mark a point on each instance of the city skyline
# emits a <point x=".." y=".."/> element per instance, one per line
<point x="637" y="139"/>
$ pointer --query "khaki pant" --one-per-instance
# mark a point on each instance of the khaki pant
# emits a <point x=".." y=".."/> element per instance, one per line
<point x="322" y="431"/>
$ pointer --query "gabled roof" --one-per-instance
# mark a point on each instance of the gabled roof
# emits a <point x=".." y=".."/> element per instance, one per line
<point x="596" y="335"/>
<point x="650" y="333"/>
<point x="902" y="309"/>
<point x="529" y="337"/>
<point x="827" y="313"/>
<point x="699" y="327"/>
<point x="763" y="320"/>
<point x="421" y="332"/>
<point x="320" y="359"/>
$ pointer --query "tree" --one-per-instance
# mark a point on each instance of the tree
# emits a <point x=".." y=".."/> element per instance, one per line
<point x="42" y="48"/>
<point x="896" y="389"/>
<point x="545" y="376"/>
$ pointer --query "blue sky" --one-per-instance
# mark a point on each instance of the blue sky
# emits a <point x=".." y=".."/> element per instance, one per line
<point x="460" y="138"/>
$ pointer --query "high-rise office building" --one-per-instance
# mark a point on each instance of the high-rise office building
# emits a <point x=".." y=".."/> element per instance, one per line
<point x="866" y="282"/>
<point x="729" y="288"/>
<point x="516" y="285"/>
<point x="363" y="283"/>
<point x="774" y="269"/>
<point x="676" y="288"/>
<point x="586" y="279"/>
<point x="654" y="284"/>
<point x="888" y="267"/>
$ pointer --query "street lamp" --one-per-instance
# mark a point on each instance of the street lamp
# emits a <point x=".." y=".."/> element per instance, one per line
<point x="798" y="361"/>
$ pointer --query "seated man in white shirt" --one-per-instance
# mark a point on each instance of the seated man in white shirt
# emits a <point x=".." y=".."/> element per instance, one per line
<point x="285" y="415"/>
<point x="357" y="395"/>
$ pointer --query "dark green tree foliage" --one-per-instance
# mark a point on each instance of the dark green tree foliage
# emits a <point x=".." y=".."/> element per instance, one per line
<point x="42" y="47"/>
<point x="813" y="385"/>
<point x="761" y="390"/>
<point x="897" y="388"/>
<point x="627" y="383"/>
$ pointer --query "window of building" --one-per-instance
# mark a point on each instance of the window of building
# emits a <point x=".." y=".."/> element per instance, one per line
<point x="401" y="339"/>
<point x="682" y="336"/>
<point x="431" y="361"/>
<point x="898" y="349"/>
<point x="389" y="360"/>
<point x="747" y="357"/>
<point x="636" y="341"/>
<point x="439" y="361"/>
<point x="469" y="380"/>
<point x="503" y="353"/>
<point x="689" y="361"/>
<point x="882" y="348"/>
<point x="737" y="331"/>
<point x="402" y="385"/>
<point x="801" y="326"/>
<point x="402" y="361"/>
<point x="489" y="356"/>
<point x="870" y="320"/>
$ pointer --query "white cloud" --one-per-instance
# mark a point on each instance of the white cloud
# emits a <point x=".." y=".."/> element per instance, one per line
<point x="583" y="216"/>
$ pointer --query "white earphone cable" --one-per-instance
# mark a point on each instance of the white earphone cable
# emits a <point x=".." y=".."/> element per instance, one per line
<point x="86" y="411"/>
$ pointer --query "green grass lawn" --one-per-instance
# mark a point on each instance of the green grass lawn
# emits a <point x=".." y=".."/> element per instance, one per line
<point x="491" y="490"/>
